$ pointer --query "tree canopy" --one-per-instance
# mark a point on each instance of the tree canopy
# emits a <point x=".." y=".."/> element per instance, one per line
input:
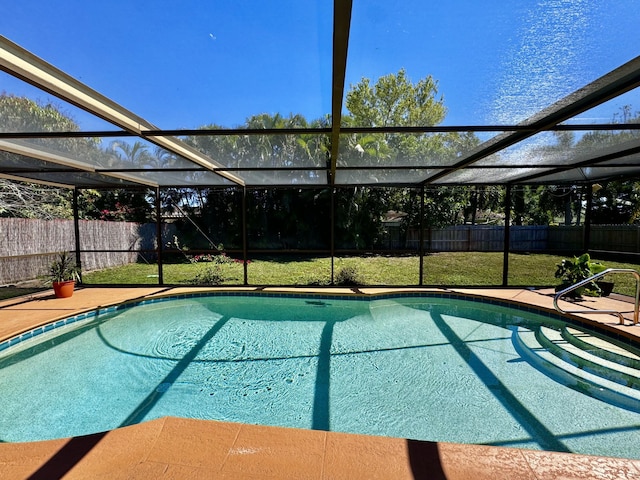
<point x="281" y="215"/>
<point x="20" y="114"/>
<point x="394" y="101"/>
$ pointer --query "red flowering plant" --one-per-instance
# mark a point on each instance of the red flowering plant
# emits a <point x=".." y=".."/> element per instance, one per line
<point x="219" y="258"/>
<point x="205" y="257"/>
<point x="121" y="212"/>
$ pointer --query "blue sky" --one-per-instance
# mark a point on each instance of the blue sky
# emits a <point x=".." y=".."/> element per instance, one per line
<point x="190" y="63"/>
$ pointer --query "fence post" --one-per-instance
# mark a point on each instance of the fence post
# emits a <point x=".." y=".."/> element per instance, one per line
<point x="159" y="236"/>
<point x="332" y="246"/>
<point x="421" y="235"/>
<point x="507" y="236"/>
<point x="586" y="239"/>
<point x="244" y="235"/>
<point x="76" y="231"/>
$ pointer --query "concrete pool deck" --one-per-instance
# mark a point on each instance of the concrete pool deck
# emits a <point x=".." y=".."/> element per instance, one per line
<point x="175" y="448"/>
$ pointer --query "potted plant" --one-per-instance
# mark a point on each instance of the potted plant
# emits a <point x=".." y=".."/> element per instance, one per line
<point x="573" y="270"/>
<point x="605" y="287"/>
<point x="63" y="275"/>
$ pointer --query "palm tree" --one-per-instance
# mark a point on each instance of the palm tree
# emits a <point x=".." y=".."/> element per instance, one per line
<point x="136" y="153"/>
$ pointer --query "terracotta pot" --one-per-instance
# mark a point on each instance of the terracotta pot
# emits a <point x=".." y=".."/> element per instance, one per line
<point x="64" y="289"/>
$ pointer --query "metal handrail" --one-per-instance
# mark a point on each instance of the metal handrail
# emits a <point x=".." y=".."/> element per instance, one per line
<point x="591" y="279"/>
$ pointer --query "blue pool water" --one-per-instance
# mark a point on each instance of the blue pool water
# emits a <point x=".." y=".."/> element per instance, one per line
<point x="425" y="368"/>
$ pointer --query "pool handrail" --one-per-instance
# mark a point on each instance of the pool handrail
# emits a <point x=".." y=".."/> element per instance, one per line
<point x="591" y="279"/>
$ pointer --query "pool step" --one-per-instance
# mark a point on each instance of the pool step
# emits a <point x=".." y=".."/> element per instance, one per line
<point x="607" y="349"/>
<point x="613" y="370"/>
<point x="553" y="359"/>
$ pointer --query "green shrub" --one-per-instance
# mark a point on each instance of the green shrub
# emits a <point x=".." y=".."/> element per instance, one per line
<point x="574" y="270"/>
<point x="211" y="276"/>
<point x="220" y="258"/>
<point x="348" y="277"/>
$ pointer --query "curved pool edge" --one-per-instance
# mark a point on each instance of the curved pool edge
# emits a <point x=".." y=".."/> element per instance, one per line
<point x="187" y="448"/>
<point x="83" y="305"/>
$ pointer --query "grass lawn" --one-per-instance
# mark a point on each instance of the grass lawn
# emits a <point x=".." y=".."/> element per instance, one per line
<point x="440" y="269"/>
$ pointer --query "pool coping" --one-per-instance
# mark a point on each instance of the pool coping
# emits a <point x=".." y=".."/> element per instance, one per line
<point x="183" y="448"/>
<point x="30" y="330"/>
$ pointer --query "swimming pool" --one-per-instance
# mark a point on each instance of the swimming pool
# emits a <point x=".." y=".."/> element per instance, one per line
<point x="412" y="366"/>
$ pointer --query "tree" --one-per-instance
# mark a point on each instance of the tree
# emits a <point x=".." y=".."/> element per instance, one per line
<point x="358" y="216"/>
<point x="483" y="199"/>
<point x="21" y="114"/>
<point x="616" y="201"/>
<point x="276" y="216"/>
<point x="122" y="204"/>
<point x="23" y="199"/>
<point x="136" y="154"/>
<point x="394" y="101"/>
<point x="28" y="200"/>
<point x="542" y="205"/>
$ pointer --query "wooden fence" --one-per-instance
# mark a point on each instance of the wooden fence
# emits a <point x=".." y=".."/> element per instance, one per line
<point x="28" y="246"/>
<point x="529" y="238"/>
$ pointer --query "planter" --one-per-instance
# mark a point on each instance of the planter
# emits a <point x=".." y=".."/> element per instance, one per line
<point x="606" y="287"/>
<point x="573" y="294"/>
<point x="64" y="289"/>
